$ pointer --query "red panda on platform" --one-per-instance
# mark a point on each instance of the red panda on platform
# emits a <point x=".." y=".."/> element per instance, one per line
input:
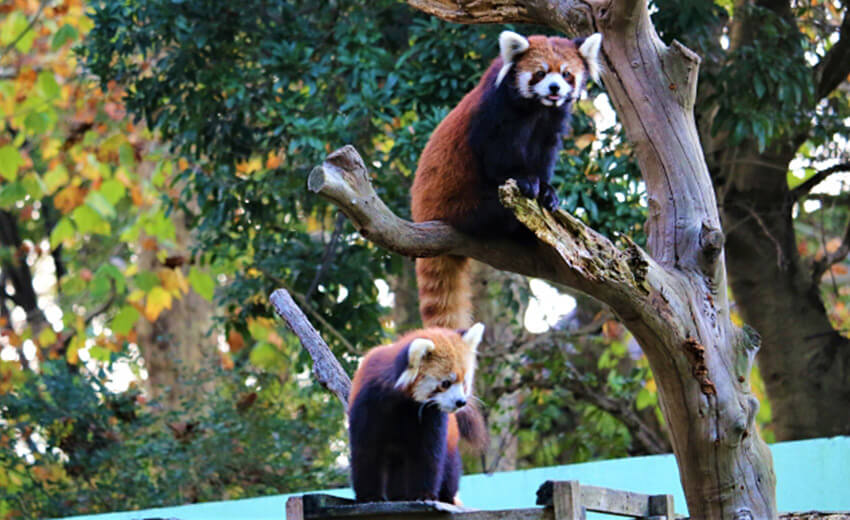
<point x="409" y="407"/>
<point x="509" y="126"/>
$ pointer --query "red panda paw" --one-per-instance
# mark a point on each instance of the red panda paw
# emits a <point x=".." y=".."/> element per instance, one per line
<point x="548" y="197"/>
<point x="530" y="188"/>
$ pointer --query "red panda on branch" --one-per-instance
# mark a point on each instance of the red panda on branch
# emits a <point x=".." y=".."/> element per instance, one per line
<point x="409" y="407"/>
<point x="508" y="127"/>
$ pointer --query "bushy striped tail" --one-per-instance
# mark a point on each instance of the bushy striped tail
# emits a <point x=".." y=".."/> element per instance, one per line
<point x="445" y="296"/>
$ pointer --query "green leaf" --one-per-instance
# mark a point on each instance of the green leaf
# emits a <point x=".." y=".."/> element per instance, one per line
<point x="55" y="178"/>
<point x="11" y="193"/>
<point x="113" y="191"/>
<point x="47" y="85"/>
<point x="127" y="156"/>
<point x="645" y="398"/>
<point x="89" y="221"/>
<point x="99" y="203"/>
<point x="37" y="123"/>
<point x="34" y="186"/>
<point x="10" y="161"/>
<point x="146" y="280"/>
<point x="65" y="34"/>
<point x="124" y="321"/>
<point x="202" y="283"/>
<point x="63" y="230"/>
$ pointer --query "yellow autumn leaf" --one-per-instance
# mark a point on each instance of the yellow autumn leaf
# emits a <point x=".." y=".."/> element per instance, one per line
<point x="250" y="166"/>
<point x="173" y="281"/>
<point x="584" y="140"/>
<point x="157" y="301"/>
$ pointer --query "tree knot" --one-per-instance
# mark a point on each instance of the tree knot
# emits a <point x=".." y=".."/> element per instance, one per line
<point x="699" y="369"/>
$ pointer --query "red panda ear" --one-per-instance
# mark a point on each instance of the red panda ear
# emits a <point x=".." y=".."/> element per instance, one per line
<point x="472" y="337"/>
<point x="417" y="350"/>
<point x="589" y="49"/>
<point x="511" y="45"/>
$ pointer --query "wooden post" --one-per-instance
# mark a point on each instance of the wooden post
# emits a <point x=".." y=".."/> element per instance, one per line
<point x="295" y="508"/>
<point x="566" y="498"/>
<point x="661" y="507"/>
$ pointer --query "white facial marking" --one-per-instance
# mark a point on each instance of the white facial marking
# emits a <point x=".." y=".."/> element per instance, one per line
<point x="522" y="83"/>
<point x="448" y="399"/>
<point x="553" y="89"/>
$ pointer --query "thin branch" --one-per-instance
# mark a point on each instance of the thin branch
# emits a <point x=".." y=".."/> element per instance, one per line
<point x="28" y="28"/>
<point x="806" y="186"/>
<point x="327" y="370"/>
<point x="328" y="255"/>
<point x="833" y="69"/>
<point x="302" y="301"/>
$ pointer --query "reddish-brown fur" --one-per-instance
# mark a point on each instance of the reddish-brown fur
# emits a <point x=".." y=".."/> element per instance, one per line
<point x="448" y="188"/>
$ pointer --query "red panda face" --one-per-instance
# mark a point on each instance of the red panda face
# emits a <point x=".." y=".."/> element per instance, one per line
<point x="441" y="367"/>
<point x="551" y="70"/>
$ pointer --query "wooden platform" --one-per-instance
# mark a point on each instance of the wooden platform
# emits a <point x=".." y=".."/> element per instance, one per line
<point x="559" y="500"/>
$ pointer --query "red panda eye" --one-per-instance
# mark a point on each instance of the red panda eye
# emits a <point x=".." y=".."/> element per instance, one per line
<point x="568" y="76"/>
<point x="539" y="75"/>
<point x="446" y="384"/>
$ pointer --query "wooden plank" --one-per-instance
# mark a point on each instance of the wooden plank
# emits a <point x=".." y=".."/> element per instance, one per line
<point x="319" y="505"/>
<point x="566" y="499"/>
<point x="615" y="502"/>
<point x="294" y="508"/>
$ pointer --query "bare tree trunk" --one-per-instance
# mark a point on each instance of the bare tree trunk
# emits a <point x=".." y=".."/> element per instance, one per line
<point x="180" y="342"/>
<point x="673" y="299"/>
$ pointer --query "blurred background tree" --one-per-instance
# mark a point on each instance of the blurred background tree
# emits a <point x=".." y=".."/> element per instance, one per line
<point x="153" y="158"/>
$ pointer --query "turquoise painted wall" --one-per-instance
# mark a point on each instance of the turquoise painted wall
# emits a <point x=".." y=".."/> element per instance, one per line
<point x="812" y="474"/>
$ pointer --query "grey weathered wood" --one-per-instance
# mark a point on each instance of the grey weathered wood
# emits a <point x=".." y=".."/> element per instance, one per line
<point x="610" y="501"/>
<point x="326" y="368"/>
<point x="624" y="503"/>
<point x="324" y="506"/>
<point x="566" y="499"/>
<point x="662" y="506"/>
<point x="321" y="506"/>
<point x="294" y="508"/>
<point x="672" y="299"/>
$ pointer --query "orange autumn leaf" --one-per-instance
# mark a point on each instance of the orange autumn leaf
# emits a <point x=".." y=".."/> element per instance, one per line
<point x="69" y="198"/>
<point x="235" y="341"/>
<point x="273" y="161"/>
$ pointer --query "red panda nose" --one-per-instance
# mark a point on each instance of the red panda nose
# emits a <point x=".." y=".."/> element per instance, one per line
<point x="460" y="403"/>
<point x="554" y="88"/>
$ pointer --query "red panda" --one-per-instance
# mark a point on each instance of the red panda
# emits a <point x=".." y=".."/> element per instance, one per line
<point x="508" y="126"/>
<point x="409" y="407"/>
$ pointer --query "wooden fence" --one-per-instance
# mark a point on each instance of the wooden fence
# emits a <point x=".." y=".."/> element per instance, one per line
<point x="560" y="500"/>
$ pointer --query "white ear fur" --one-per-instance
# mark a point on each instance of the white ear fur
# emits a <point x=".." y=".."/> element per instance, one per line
<point x="590" y="50"/>
<point x="415" y="352"/>
<point x="510" y="45"/>
<point x="472" y="337"/>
